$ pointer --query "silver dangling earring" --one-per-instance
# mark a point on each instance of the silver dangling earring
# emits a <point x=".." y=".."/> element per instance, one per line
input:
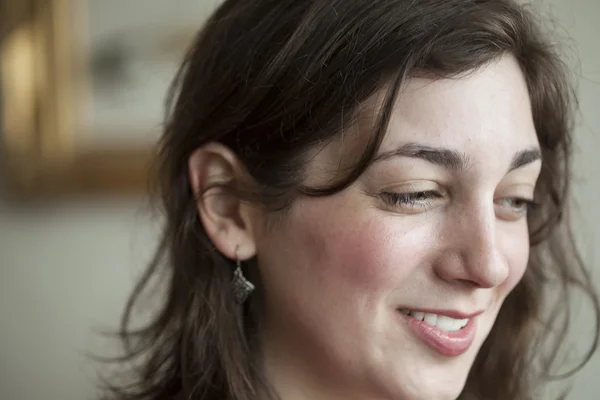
<point x="242" y="287"/>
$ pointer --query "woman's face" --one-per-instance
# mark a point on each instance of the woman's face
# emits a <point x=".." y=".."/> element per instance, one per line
<point x="389" y="288"/>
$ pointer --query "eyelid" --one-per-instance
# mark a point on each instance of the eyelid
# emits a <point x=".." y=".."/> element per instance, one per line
<point x="413" y="197"/>
<point x="522" y="191"/>
<point x="415" y="186"/>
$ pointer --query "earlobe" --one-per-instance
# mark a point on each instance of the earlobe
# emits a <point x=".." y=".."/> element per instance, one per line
<point x="216" y="175"/>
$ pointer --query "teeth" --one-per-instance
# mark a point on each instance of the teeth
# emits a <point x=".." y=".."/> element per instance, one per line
<point x="417" y="315"/>
<point x="431" y="319"/>
<point x="448" y="324"/>
<point x="441" y="322"/>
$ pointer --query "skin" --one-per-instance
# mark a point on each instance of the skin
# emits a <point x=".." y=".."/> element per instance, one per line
<point x="337" y="269"/>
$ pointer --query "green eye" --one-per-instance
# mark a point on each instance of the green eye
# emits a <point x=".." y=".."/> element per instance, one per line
<point x="513" y="208"/>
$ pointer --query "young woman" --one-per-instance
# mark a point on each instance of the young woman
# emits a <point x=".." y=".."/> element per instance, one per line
<point x="364" y="199"/>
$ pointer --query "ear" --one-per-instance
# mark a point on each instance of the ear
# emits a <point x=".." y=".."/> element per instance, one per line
<point x="213" y="170"/>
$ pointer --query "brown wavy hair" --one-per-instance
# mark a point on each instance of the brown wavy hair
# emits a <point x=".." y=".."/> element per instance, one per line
<point x="272" y="79"/>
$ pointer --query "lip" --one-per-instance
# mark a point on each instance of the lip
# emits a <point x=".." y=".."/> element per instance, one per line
<point x="448" y="313"/>
<point x="449" y="344"/>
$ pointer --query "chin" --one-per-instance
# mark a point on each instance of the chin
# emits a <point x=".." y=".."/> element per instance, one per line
<point x="437" y="392"/>
<point x="449" y="393"/>
<point x="429" y="382"/>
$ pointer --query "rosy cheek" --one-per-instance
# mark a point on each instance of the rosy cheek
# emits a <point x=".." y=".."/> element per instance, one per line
<point x="365" y="259"/>
<point x="367" y="256"/>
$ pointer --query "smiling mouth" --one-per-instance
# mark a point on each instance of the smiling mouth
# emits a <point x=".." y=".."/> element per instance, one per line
<point x="449" y="336"/>
<point x="441" y="322"/>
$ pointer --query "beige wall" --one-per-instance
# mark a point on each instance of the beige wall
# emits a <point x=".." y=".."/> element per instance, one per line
<point x="580" y="18"/>
<point x="66" y="269"/>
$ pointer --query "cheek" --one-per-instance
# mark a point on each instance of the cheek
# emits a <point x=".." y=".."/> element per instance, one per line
<point x="515" y="246"/>
<point x="365" y="258"/>
<point x="362" y="253"/>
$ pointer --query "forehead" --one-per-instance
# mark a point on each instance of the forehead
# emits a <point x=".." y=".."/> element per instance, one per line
<point x="485" y="114"/>
<point x="486" y="111"/>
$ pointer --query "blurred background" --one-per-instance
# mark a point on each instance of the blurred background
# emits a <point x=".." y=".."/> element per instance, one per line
<point x="69" y="256"/>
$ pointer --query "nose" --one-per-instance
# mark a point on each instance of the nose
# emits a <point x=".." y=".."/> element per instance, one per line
<point x="471" y="253"/>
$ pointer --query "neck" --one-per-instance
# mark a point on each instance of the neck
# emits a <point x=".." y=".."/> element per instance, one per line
<point x="295" y="373"/>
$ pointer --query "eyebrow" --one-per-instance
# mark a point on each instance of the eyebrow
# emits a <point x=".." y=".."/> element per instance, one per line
<point x="525" y="157"/>
<point x="452" y="159"/>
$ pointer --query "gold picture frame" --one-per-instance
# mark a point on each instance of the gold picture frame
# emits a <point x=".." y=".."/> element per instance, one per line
<point x="43" y="77"/>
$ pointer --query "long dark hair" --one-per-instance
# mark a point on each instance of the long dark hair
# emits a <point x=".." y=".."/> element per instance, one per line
<point x="272" y="79"/>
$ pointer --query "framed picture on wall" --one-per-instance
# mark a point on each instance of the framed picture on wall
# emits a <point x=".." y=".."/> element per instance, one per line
<point x="83" y="86"/>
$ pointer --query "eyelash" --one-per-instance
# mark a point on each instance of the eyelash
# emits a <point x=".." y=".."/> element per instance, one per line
<point x="424" y="198"/>
<point x="530" y="205"/>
